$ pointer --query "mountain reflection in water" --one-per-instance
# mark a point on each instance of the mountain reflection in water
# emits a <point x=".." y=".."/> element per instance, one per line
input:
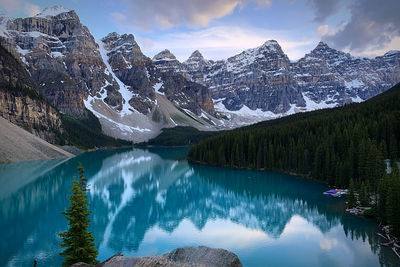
<point x="152" y="201"/>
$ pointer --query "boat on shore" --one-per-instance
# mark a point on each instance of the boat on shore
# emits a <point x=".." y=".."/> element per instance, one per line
<point x="336" y="192"/>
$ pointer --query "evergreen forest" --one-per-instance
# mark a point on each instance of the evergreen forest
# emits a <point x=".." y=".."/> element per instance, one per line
<point x="336" y="146"/>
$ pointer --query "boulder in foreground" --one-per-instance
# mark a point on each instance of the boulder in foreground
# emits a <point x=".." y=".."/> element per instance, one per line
<point x="186" y="256"/>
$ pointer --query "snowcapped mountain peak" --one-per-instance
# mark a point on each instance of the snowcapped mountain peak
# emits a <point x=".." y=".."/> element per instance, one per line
<point x="392" y="53"/>
<point x="322" y="50"/>
<point x="271" y="43"/>
<point x="112" y="35"/>
<point x="196" y="55"/>
<point x="164" y="55"/>
<point x="322" y="45"/>
<point x="120" y="38"/>
<point x="52" y="11"/>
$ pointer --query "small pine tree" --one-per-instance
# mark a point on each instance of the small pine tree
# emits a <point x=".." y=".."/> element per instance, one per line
<point x="82" y="179"/>
<point x="351" y="199"/>
<point x="77" y="240"/>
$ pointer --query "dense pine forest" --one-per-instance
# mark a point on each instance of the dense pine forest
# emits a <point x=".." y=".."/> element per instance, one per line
<point x="333" y="145"/>
<point x="178" y="136"/>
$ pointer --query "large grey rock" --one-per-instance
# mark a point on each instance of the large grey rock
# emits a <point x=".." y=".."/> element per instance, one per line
<point x="186" y="256"/>
<point x="205" y="256"/>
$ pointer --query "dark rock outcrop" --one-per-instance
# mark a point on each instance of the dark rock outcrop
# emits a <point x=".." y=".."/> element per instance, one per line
<point x="187" y="94"/>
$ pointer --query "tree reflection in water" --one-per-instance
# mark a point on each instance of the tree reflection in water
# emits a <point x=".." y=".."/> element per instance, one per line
<point x="142" y="197"/>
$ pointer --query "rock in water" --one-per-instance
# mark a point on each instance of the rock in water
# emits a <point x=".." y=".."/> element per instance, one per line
<point x="204" y="256"/>
<point x="186" y="256"/>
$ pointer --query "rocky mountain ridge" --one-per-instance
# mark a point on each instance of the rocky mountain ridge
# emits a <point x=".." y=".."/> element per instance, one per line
<point x="263" y="83"/>
<point x="134" y="97"/>
<point x="110" y="77"/>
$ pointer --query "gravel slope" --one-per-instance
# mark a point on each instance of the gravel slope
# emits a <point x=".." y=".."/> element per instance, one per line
<point x="16" y="144"/>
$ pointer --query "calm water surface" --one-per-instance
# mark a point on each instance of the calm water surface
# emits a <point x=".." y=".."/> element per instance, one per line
<point x="152" y="201"/>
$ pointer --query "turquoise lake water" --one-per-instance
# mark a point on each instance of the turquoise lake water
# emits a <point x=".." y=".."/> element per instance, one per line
<point x="151" y="201"/>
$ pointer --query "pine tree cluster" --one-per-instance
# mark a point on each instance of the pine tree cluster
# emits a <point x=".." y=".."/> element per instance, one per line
<point x="333" y="145"/>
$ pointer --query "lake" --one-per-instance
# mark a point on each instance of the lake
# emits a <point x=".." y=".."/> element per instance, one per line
<point x="151" y="201"/>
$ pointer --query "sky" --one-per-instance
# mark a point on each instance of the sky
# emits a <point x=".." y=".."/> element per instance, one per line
<point x="222" y="28"/>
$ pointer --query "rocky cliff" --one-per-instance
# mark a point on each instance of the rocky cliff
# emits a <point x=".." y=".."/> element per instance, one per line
<point x="134" y="96"/>
<point x="57" y="48"/>
<point x="21" y="102"/>
<point x="110" y="77"/>
<point x="263" y="83"/>
<point x="165" y="61"/>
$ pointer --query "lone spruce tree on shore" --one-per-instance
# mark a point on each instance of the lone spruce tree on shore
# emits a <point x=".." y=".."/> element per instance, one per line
<point x="77" y="240"/>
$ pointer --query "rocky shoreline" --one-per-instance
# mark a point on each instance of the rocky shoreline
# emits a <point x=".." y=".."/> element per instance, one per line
<point x="187" y="256"/>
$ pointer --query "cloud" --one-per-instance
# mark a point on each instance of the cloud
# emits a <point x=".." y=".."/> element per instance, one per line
<point x="15" y="6"/>
<point x="221" y="42"/>
<point x="147" y="14"/>
<point x="324" y="8"/>
<point x="10" y="5"/>
<point x="373" y="25"/>
<point x="31" y="9"/>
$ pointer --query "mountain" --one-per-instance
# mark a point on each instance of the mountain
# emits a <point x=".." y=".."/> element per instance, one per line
<point x="165" y="61"/>
<point x="336" y="78"/>
<point x="335" y="145"/>
<point x="21" y="102"/>
<point x="110" y="78"/>
<point x="356" y="145"/>
<point x="262" y="83"/>
<point x="134" y="97"/>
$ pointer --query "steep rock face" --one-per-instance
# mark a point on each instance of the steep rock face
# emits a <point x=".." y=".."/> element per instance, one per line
<point x="55" y="43"/>
<point x="263" y="82"/>
<point x="165" y="61"/>
<point x="132" y="68"/>
<point x="196" y="65"/>
<point x="186" y="94"/>
<point x="331" y="76"/>
<point x="20" y="102"/>
<point x="145" y="77"/>
<point x="60" y="90"/>
<point x="259" y="78"/>
<point x="110" y="77"/>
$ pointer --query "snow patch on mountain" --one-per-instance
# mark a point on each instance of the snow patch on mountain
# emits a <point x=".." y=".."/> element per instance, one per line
<point x="52" y="11"/>
<point x="354" y="84"/>
<point x="123" y="89"/>
<point x="157" y="88"/>
<point x="312" y="105"/>
<point x="126" y="129"/>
